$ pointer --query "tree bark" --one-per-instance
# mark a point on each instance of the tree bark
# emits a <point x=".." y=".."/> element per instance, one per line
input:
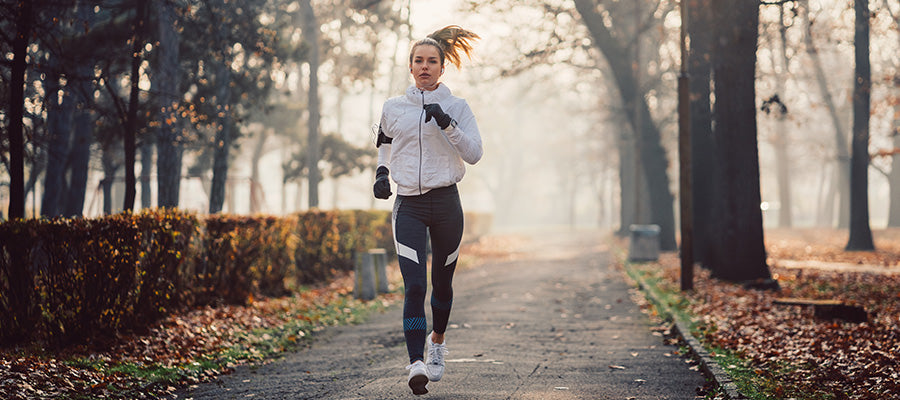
<point x="653" y="156"/>
<point x="894" y="177"/>
<point x="59" y="132"/>
<point x="223" y="137"/>
<point x="781" y="142"/>
<point x="311" y="33"/>
<point x="860" y="231"/>
<point x="702" y="146"/>
<point x="843" y="154"/>
<point x="740" y="254"/>
<point x="146" y="175"/>
<point x="130" y="130"/>
<point x="17" y="111"/>
<point x="256" y="197"/>
<point x="83" y="126"/>
<point x="168" y="138"/>
<point x="223" y="134"/>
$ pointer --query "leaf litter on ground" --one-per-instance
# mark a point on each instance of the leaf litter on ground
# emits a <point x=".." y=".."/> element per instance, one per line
<point x="787" y="345"/>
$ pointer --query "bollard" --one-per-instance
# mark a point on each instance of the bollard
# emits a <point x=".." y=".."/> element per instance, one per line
<point x="364" y="277"/>
<point x="644" y="243"/>
<point x="379" y="258"/>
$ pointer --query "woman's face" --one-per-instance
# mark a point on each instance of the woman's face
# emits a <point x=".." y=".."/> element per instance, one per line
<point x="426" y="66"/>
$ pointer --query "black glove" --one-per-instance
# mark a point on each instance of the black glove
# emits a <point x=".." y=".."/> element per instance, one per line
<point x="382" y="183"/>
<point x="434" y="110"/>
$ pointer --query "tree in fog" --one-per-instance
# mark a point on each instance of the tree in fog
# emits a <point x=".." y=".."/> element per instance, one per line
<point x="21" y="28"/>
<point x="860" y="232"/>
<point x="894" y="176"/>
<point x="700" y="30"/>
<point x="169" y="138"/>
<point x="739" y="253"/>
<point x="311" y="38"/>
<point x="610" y="31"/>
<point x="841" y="181"/>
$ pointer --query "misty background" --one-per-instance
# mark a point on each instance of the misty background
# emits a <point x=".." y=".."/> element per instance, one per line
<point x="551" y="119"/>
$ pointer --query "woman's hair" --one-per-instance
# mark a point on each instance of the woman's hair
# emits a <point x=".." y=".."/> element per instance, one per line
<point x="449" y="40"/>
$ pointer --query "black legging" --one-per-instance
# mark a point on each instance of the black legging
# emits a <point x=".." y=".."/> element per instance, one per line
<point x="440" y="211"/>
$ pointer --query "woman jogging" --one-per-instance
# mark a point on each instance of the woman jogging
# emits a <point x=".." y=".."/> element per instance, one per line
<point x="424" y="137"/>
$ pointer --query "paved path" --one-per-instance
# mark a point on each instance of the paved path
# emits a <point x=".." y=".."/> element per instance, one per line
<point x="556" y="325"/>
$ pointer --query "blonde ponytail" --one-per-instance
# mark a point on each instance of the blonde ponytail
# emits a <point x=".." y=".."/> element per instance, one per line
<point x="449" y="40"/>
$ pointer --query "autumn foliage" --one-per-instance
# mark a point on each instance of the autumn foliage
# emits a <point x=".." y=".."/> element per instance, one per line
<point x="64" y="281"/>
<point x="790" y="352"/>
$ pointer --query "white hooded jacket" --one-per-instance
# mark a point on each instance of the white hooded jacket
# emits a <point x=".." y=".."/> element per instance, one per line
<point x="421" y="155"/>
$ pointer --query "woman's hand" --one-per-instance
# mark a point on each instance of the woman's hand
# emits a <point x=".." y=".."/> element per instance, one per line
<point x="434" y="110"/>
<point x="382" y="186"/>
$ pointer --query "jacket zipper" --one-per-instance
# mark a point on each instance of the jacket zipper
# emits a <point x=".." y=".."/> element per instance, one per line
<point x="421" y="122"/>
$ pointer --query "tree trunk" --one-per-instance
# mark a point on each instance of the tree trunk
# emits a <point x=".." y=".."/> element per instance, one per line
<point x="842" y="185"/>
<point x="83" y="127"/>
<point x="653" y="156"/>
<point x="627" y="182"/>
<point x="894" y="177"/>
<point x="59" y="132"/>
<point x="255" y="187"/>
<point x="223" y="134"/>
<point x="146" y="175"/>
<point x="223" y="137"/>
<point x="168" y="138"/>
<point x="700" y="26"/>
<point x="740" y="253"/>
<point x="311" y="33"/>
<point x="860" y="231"/>
<point x="130" y="130"/>
<point x="781" y="142"/>
<point x="110" y="167"/>
<point x="17" y="111"/>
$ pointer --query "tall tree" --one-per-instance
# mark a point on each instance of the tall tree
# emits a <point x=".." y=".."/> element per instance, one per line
<point x="780" y="141"/>
<point x="311" y="37"/>
<point x="24" y="14"/>
<point x="740" y="253"/>
<point x="223" y="136"/>
<point x="652" y="154"/>
<point x="842" y="177"/>
<point x="894" y="176"/>
<point x="59" y="135"/>
<point x="700" y="25"/>
<point x="137" y="43"/>
<point x="82" y="121"/>
<point x="860" y="232"/>
<point x="169" y="148"/>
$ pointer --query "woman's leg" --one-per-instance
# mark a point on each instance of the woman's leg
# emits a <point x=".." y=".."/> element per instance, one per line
<point x="446" y="236"/>
<point x="409" y="237"/>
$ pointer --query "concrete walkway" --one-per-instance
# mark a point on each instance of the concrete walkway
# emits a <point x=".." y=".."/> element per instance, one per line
<point x="556" y="323"/>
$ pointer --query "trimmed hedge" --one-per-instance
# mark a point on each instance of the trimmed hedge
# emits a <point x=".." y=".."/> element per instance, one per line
<point x="65" y="281"/>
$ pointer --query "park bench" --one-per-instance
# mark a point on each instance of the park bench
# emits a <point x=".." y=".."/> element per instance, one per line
<point x="828" y="309"/>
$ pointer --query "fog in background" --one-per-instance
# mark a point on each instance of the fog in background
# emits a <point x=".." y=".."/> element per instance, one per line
<point x="550" y="130"/>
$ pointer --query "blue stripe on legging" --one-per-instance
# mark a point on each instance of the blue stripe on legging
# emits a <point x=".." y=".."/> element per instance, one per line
<point x="414" y="324"/>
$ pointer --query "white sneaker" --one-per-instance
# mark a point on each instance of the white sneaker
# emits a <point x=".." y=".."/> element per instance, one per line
<point x="434" y="360"/>
<point x="418" y="377"/>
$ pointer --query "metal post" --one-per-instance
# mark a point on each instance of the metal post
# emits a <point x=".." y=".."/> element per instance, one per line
<point x="684" y="159"/>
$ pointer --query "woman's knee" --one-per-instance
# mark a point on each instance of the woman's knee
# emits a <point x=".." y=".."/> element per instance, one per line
<point x="415" y="291"/>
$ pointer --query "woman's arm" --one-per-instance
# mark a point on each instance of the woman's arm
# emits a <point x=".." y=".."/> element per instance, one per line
<point x="465" y="136"/>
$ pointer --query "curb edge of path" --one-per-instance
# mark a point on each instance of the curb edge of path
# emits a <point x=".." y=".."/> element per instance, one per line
<point x="708" y="365"/>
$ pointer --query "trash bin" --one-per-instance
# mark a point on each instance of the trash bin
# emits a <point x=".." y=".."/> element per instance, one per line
<point x="644" y="243"/>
